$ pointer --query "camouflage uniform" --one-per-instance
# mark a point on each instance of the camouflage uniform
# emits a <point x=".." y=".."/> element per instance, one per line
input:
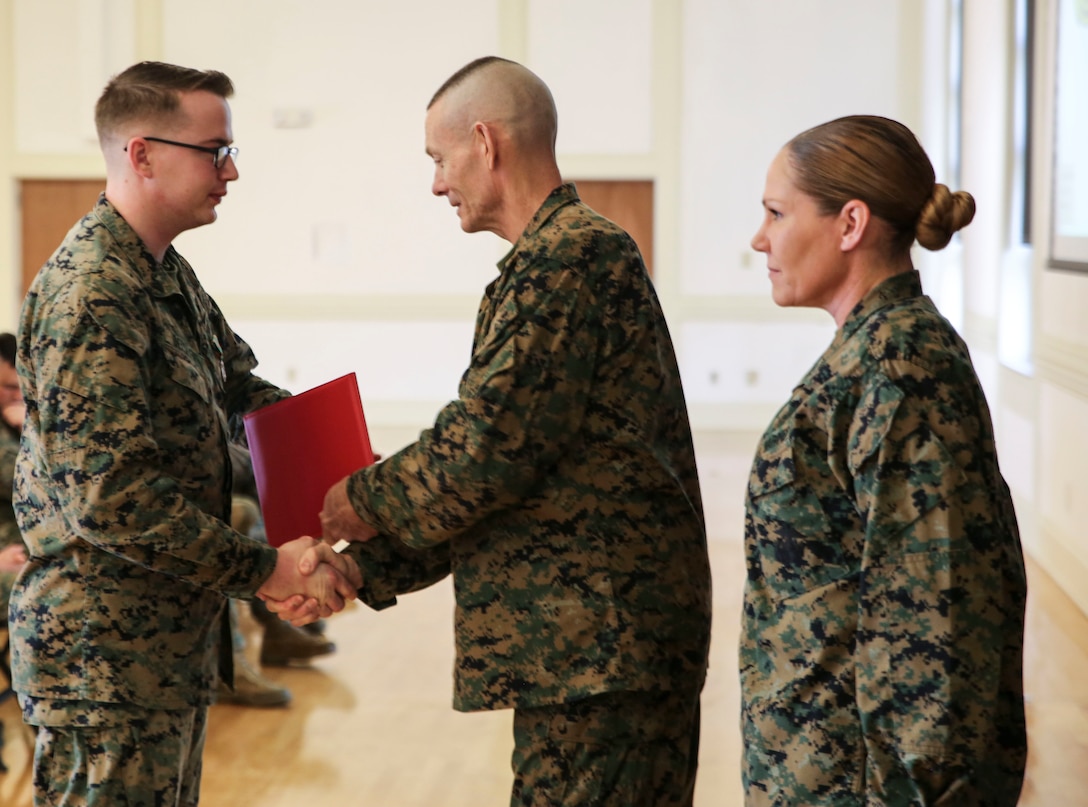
<point x="9" y="530"/>
<point x="881" y="652"/>
<point x="560" y="488"/>
<point x="147" y="762"/>
<point x="620" y="749"/>
<point x="122" y="486"/>
<point x="9" y="450"/>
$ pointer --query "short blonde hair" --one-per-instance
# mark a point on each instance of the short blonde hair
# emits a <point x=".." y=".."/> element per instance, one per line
<point x="150" y="90"/>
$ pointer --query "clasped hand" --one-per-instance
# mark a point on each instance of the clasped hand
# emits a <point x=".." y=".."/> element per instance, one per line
<point x="308" y="570"/>
<point x="339" y="521"/>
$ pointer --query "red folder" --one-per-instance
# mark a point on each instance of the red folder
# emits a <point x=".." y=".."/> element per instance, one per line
<point x="300" y="447"/>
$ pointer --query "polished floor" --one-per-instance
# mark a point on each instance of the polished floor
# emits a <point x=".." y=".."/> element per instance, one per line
<point x="372" y="724"/>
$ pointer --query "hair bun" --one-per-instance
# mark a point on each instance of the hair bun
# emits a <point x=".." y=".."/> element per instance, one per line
<point x="944" y="214"/>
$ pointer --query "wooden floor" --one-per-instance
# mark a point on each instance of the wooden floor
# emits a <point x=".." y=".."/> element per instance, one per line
<point x="372" y="724"/>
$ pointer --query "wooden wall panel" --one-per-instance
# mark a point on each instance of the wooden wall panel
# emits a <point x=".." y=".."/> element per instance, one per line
<point x="48" y="209"/>
<point x="629" y="203"/>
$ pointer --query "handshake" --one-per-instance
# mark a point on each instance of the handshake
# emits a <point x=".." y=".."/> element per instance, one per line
<point x="311" y="579"/>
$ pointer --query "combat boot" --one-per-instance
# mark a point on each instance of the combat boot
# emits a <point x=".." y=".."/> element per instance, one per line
<point x="283" y="643"/>
<point x="251" y="688"/>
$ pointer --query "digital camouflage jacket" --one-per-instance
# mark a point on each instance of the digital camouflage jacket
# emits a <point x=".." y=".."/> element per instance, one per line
<point x="122" y="488"/>
<point x="9" y="530"/>
<point x="560" y="488"/>
<point x="9" y="450"/>
<point x="883" y="627"/>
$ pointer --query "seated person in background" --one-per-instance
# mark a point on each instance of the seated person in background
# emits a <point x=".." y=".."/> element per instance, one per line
<point x="12" y="549"/>
<point x="12" y="410"/>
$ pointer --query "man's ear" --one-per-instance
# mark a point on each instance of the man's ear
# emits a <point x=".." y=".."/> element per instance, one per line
<point x="487" y="142"/>
<point x="854" y="222"/>
<point x="139" y="159"/>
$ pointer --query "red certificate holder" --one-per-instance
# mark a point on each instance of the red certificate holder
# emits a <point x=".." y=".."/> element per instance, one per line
<point x="300" y="447"/>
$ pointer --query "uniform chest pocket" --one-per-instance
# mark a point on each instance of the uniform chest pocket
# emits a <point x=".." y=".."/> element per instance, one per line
<point x="788" y="533"/>
<point x="184" y="371"/>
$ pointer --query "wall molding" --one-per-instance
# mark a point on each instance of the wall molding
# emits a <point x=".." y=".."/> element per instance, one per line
<point x="731" y="417"/>
<point x="1063" y="363"/>
<point x="740" y="308"/>
<point x="59" y="166"/>
<point x="608" y="166"/>
<point x="442" y="307"/>
<point x="349" y="307"/>
<point x="1052" y="550"/>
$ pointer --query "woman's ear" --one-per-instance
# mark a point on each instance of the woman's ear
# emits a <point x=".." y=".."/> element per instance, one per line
<point x="854" y="219"/>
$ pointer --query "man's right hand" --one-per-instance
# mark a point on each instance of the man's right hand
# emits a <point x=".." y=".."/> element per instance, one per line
<point x="311" y="568"/>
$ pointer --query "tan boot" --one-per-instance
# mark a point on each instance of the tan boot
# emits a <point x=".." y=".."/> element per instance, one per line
<point x="283" y="643"/>
<point x="251" y="688"/>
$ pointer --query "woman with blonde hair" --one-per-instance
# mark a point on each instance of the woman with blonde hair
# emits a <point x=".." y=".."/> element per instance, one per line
<point x="881" y="649"/>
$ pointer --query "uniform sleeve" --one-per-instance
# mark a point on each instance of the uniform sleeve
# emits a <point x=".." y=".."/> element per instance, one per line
<point x="104" y="467"/>
<point x="521" y="400"/>
<point x="391" y="568"/>
<point x="930" y="635"/>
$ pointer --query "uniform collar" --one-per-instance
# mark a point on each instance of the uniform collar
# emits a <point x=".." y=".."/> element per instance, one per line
<point x="895" y="289"/>
<point x="161" y="278"/>
<point x="562" y="196"/>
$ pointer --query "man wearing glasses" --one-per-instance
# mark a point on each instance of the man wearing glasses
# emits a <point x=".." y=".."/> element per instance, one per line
<point x="131" y="378"/>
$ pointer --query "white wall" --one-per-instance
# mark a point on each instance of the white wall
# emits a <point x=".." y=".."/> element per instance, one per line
<point x="331" y="220"/>
<point x="984" y="162"/>
<point x="330" y="254"/>
<point x="339" y="206"/>
<point x="754" y="75"/>
<point x="1060" y="359"/>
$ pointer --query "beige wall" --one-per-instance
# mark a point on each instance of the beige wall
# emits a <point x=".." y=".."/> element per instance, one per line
<point x="1039" y="401"/>
<point x="1061" y="370"/>
<point x="330" y="254"/>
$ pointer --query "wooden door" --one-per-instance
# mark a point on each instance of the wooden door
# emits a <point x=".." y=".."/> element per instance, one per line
<point x="629" y="203"/>
<point x="49" y="208"/>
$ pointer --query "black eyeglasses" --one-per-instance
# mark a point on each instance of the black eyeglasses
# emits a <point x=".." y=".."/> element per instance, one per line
<point x="219" y="153"/>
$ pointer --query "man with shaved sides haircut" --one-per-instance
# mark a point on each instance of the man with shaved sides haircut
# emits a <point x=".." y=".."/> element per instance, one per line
<point x="559" y="489"/>
<point x="132" y="378"/>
